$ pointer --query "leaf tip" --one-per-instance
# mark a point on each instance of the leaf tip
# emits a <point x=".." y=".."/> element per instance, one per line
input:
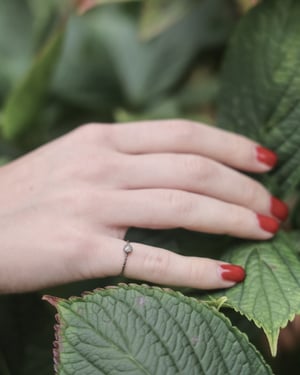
<point x="273" y="348"/>
<point x="52" y="300"/>
<point x="272" y="338"/>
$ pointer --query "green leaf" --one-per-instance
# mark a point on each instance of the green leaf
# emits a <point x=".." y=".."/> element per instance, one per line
<point x="26" y="100"/>
<point x="84" y="76"/>
<point x="142" y="330"/>
<point x="269" y="295"/>
<point x="16" y="47"/>
<point x="261" y="86"/>
<point x="44" y="14"/>
<point x="148" y="70"/>
<point x="157" y="16"/>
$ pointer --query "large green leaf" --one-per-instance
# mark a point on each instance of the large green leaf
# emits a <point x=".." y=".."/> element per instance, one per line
<point x="141" y="330"/>
<point x="261" y="86"/>
<point x="269" y="295"/>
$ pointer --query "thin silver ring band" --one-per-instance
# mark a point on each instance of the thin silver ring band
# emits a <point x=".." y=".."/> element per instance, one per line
<point x="128" y="249"/>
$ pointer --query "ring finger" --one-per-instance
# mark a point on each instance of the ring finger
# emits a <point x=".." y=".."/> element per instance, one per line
<point x="157" y="265"/>
<point x="165" y="208"/>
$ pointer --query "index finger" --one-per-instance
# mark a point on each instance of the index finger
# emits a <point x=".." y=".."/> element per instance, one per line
<point x="181" y="136"/>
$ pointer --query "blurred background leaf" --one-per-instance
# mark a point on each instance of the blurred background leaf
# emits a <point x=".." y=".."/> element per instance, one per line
<point x="148" y="71"/>
<point x="157" y="16"/>
<point x="25" y="101"/>
<point x="16" y="43"/>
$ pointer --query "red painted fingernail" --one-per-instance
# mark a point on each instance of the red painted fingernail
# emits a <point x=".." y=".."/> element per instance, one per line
<point x="279" y="209"/>
<point x="267" y="223"/>
<point x="232" y="272"/>
<point x="266" y="156"/>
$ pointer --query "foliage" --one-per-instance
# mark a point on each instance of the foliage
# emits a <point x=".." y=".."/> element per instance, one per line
<point x="115" y="62"/>
<point x="142" y="330"/>
<point x="261" y="89"/>
<point x="268" y="294"/>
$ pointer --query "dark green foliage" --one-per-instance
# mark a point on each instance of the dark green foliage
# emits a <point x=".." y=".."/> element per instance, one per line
<point x="113" y="64"/>
<point x="261" y="86"/>
<point x="268" y="296"/>
<point x="26" y="336"/>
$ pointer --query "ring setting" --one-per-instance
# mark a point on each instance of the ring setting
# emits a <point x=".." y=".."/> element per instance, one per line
<point x="128" y="249"/>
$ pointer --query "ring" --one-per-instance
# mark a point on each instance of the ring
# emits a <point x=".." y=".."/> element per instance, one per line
<point x="127" y="250"/>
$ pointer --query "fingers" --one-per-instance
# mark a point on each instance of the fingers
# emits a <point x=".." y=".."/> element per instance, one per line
<point x="161" y="266"/>
<point x="180" y="136"/>
<point x="164" y="209"/>
<point x="199" y="175"/>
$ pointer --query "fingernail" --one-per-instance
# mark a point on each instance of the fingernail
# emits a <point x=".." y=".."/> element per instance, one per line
<point x="230" y="272"/>
<point x="268" y="223"/>
<point x="266" y="156"/>
<point x="279" y="209"/>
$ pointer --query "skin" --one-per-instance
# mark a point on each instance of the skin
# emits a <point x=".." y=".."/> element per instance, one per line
<point x="65" y="207"/>
<point x="289" y="337"/>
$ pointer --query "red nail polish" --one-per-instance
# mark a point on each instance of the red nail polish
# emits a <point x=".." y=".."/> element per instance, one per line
<point x="266" y="156"/>
<point x="279" y="209"/>
<point x="268" y="223"/>
<point x="232" y="272"/>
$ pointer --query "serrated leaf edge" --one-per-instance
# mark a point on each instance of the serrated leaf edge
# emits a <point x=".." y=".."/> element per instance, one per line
<point x="272" y="337"/>
<point x="140" y="287"/>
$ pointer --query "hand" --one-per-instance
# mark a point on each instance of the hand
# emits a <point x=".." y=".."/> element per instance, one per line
<point x="65" y="208"/>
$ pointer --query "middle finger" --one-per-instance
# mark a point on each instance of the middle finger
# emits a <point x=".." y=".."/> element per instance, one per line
<point x="199" y="175"/>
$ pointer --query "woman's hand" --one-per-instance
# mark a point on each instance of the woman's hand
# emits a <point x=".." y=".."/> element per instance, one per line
<point x="65" y="208"/>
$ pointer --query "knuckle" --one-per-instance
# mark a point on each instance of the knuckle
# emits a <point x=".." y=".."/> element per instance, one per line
<point x="95" y="165"/>
<point x="195" y="270"/>
<point x="69" y="200"/>
<point x="86" y="131"/>
<point x="179" y="202"/>
<point x="252" y="194"/>
<point x="156" y="264"/>
<point x="183" y="131"/>
<point x="79" y="201"/>
<point x="200" y="168"/>
<point x="93" y="132"/>
<point x="108" y="170"/>
<point x="238" y="146"/>
<point x="238" y="220"/>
